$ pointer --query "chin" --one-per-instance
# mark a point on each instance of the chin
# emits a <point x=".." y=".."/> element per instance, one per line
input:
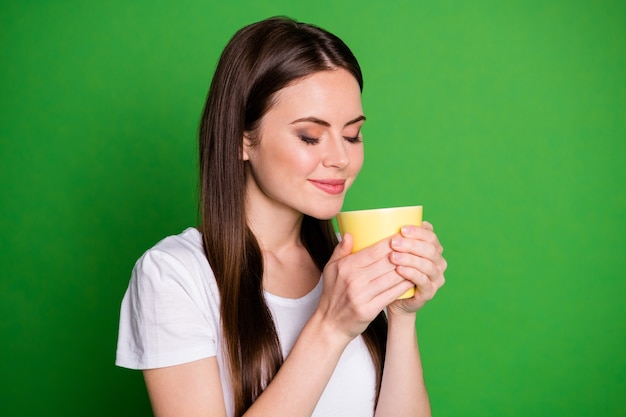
<point x="322" y="209"/>
<point x="323" y="214"/>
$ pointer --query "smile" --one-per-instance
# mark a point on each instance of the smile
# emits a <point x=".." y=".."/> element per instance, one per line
<point x="330" y="186"/>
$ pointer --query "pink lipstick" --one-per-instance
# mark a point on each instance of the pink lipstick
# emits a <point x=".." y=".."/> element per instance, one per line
<point x="330" y="186"/>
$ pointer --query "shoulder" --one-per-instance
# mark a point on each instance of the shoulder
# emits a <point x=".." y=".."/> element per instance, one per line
<point x="175" y="268"/>
<point x="170" y="311"/>
<point x="184" y="247"/>
<point x="178" y="256"/>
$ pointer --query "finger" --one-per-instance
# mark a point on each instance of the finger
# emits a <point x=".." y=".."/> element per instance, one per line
<point x="424" y="249"/>
<point x="432" y="268"/>
<point x="429" y="270"/>
<point x="427" y="225"/>
<point x="343" y="249"/>
<point x="384" y="282"/>
<point x="419" y="233"/>
<point x="355" y="278"/>
<point x="373" y="253"/>
<point x="425" y="286"/>
<point x="389" y="288"/>
<point x="423" y="265"/>
<point x="359" y="279"/>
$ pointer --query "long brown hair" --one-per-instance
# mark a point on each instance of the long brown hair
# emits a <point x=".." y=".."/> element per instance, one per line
<point x="259" y="60"/>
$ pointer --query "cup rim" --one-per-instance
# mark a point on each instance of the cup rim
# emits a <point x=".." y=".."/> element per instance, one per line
<point x="379" y="209"/>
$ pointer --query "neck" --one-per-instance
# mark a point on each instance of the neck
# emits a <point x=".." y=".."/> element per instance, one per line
<point x="275" y="233"/>
<point x="288" y="270"/>
<point x="276" y="227"/>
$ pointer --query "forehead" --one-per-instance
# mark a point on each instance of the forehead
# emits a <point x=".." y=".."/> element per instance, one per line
<point x="325" y="94"/>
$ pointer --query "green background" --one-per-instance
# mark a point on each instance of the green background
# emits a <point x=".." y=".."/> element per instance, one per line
<point x="505" y="119"/>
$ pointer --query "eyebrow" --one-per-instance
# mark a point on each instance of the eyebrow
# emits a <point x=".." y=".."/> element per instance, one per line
<point x="324" y="122"/>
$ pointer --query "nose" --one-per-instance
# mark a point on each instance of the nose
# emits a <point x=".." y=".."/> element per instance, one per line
<point x="336" y="153"/>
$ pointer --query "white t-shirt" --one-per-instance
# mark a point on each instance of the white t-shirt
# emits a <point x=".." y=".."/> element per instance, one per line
<point x="170" y="315"/>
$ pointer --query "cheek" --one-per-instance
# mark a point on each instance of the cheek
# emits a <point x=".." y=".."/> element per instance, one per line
<point x="356" y="159"/>
<point x="301" y="159"/>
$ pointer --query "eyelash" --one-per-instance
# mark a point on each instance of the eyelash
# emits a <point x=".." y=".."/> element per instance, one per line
<point x="315" y="141"/>
<point x="309" y="140"/>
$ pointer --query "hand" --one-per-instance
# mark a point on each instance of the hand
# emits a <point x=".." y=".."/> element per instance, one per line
<point x="417" y="254"/>
<point x="358" y="286"/>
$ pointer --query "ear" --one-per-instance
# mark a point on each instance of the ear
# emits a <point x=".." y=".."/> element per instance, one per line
<point x="247" y="146"/>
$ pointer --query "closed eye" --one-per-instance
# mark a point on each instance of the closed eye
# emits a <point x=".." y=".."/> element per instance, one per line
<point x="353" y="139"/>
<point x="309" y="140"/>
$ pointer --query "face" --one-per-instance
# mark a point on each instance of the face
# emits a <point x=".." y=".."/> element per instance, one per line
<point x="309" y="148"/>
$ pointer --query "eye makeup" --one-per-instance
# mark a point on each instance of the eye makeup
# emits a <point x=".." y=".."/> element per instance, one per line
<point x="309" y="140"/>
<point x="312" y="140"/>
<point x="354" y="139"/>
<point x="314" y="130"/>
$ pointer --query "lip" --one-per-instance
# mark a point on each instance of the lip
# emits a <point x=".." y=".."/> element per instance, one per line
<point x="330" y="186"/>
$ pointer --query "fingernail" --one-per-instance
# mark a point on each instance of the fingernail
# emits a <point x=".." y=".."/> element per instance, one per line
<point x="407" y="230"/>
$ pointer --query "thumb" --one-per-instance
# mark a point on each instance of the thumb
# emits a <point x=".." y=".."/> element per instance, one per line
<point x="344" y="248"/>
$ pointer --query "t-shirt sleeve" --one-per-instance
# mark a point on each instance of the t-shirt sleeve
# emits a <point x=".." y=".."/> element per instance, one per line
<point x="165" y="317"/>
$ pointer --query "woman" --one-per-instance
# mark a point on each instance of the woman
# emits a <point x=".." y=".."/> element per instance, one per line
<point x="260" y="311"/>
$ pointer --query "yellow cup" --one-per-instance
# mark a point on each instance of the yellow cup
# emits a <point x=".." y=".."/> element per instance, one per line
<point x="370" y="226"/>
